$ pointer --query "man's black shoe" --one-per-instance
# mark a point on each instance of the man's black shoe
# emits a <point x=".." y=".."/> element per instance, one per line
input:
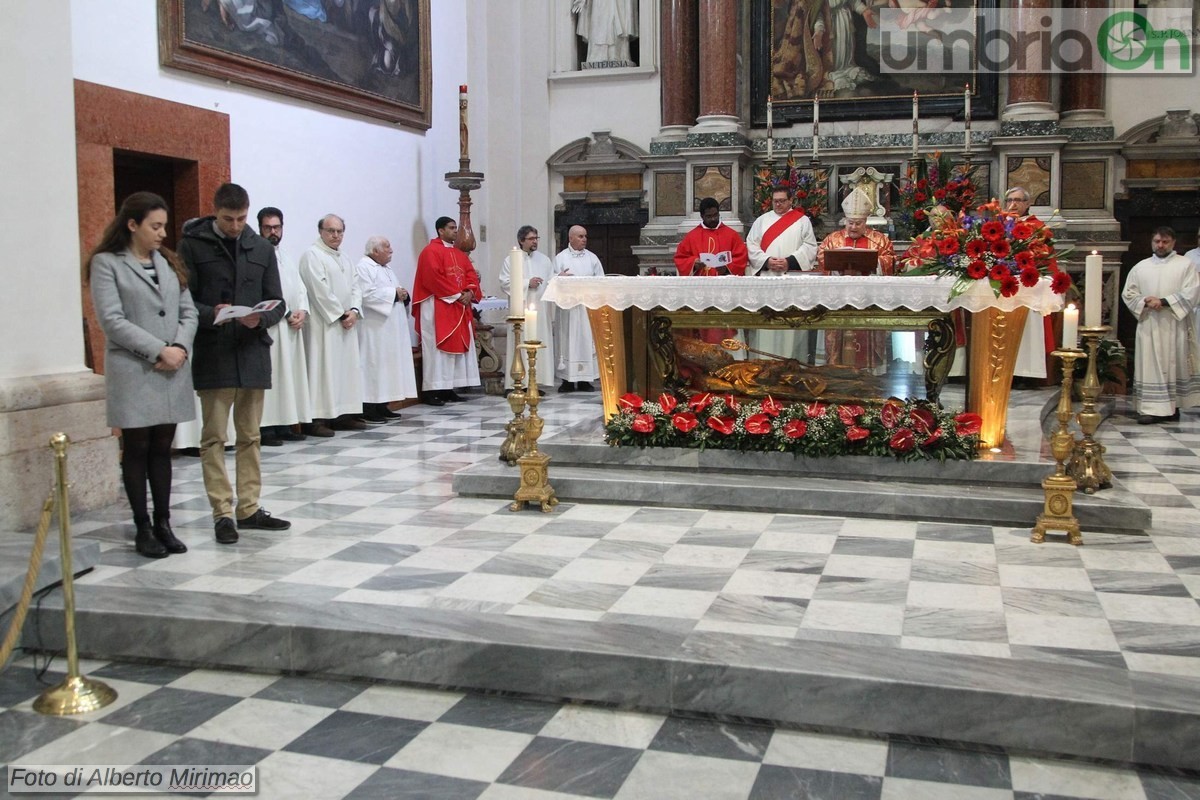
<point x="432" y="399"/>
<point x="318" y="429"/>
<point x="566" y="387"/>
<point x="375" y="419"/>
<point x="288" y="435"/>
<point x="346" y="422"/>
<point x="387" y="412"/>
<point x="226" y="532"/>
<point x="269" y="439"/>
<point x="263" y="521"/>
<point x="451" y="396"/>
<point x="584" y="386"/>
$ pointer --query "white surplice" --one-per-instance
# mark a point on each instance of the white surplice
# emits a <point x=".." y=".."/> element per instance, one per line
<point x="384" y="344"/>
<point x="1166" y="357"/>
<point x="286" y="402"/>
<point x="334" y="383"/>
<point x="797" y="241"/>
<point x="574" y="349"/>
<point x="537" y="265"/>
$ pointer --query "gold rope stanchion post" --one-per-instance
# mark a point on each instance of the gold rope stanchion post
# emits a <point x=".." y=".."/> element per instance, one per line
<point x="76" y="694"/>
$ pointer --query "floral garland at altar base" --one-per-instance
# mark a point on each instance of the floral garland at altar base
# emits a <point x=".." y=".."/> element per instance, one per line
<point x="989" y="245"/>
<point x="909" y="430"/>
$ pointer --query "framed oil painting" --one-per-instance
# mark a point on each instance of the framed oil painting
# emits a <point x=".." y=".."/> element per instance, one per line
<point x="801" y="49"/>
<point x="366" y="56"/>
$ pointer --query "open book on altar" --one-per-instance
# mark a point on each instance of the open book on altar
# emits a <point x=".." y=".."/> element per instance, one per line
<point x="237" y="312"/>
<point x="851" y="261"/>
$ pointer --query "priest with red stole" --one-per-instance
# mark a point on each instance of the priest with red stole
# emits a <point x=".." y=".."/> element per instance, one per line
<point x="861" y="349"/>
<point x="781" y="241"/>
<point x="712" y="247"/>
<point x="445" y="286"/>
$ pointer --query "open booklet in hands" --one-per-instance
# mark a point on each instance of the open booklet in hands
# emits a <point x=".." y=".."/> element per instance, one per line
<point x="235" y="312"/>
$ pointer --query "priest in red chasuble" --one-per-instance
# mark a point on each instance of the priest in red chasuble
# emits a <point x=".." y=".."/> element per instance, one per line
<point x="711" y="248"/>
<point x="861" y="349"/>
<point x="446" y="284"/>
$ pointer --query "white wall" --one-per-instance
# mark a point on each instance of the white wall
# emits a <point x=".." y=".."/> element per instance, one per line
<point x="306" y="159"/>
<point x="1133" y="99"/>
<point x="40" y="306"/>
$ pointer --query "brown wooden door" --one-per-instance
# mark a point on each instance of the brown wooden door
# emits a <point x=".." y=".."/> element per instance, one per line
<point x="613" y="245"/>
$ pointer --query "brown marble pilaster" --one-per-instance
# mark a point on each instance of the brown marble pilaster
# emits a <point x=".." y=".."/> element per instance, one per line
<point x="1028" y="92"/>
<point x="718" y="54"/>
<point x="680" y="63"/>
<point x="1083" y="93"/>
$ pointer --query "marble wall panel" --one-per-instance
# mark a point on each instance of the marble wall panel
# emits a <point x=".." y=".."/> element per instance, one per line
<point x="1083" y="184"/>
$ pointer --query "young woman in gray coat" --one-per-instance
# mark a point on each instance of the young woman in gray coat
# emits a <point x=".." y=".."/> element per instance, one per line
<point x="142" y="303"/>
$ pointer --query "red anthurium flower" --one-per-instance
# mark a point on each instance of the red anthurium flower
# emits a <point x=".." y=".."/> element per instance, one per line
<point x="685" y="422"/>
<point x="967" y="424"/>
<point x="732" y="403"/>
<point x="889" y="415"/>
<point x="630" y="402"/>
<point x="999" y="272"/>
<point x="643" y="423"/>
<point x="849" y="414"/>
<point x="1000" y="248"/>
<point x="771" y="406"/>
<point x="1060" y="283"/>
<point x="993" y="230"/>
<point x="857" y="434"/>
<point x="977" y="269"/>
<point x="976" y="248"/>
<point x="699" y="402"/>
<point x="668" y="402"/>
<point x="721" y="424"/>
<point x="932" y="438"/>
<point x="758" y="424"/>
<point x="814" y="410"/>
<point x="902" y="441"/>
<point x="1022" y="230"/>
<point x="1009" y="286"/>
<point x="948" y="247"/>
<point x="795" y="429"/>
<point x="1030" y="276"/>
<point x="921" y="419"/>
<point x="1025" y="259"/>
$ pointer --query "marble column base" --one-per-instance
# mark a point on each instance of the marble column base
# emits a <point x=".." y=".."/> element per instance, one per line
<point x="1028" y="111"/>
<point x="32" y="409"/>
<point x="717" y="123"/>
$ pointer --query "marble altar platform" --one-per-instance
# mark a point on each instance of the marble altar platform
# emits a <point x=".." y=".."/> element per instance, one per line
<point x="951" y="630"/>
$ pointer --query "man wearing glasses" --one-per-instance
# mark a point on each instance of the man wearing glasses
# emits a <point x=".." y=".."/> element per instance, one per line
<point x="334" y="383"/>
<point x="781" y="241"/>
<point x="539" y="269"/>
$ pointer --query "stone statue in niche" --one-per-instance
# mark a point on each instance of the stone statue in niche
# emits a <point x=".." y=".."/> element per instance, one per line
<point x="608" y="27"/>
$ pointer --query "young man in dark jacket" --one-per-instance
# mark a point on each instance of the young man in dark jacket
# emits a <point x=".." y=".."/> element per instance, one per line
<point x="230" y="264"/>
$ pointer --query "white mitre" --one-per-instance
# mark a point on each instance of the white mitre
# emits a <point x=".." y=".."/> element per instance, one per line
<point x="858" y="204"/>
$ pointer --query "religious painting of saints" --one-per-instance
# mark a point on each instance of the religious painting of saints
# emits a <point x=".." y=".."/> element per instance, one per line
<point x="366" y="56"/>
<point x="865" y="58"/>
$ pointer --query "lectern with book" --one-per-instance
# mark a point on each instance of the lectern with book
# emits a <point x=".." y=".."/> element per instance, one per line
<point x="851" y="261"/>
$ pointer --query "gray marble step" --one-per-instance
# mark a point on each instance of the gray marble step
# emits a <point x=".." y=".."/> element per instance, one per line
<point x="753" y="481"/>
<point x="1070" y="708"/>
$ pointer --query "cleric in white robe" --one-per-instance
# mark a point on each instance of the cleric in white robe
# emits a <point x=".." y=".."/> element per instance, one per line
<point x="286" y="402"/>
<point x="334" y="383"/>
<point x="782" y="241"/>
<point x="384" y="343"/>
<point x="1162" y="292"/>
<point x="575" y="351"/>
<point x="538" y="269"/>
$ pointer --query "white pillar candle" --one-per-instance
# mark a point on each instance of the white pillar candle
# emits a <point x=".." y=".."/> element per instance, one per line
<point x="1070" y="336"/>
<point x="770" y="114"/>
<point x="516" y="275"/>
<point x="967" y="117"/>
<point x="915" y="128"/>
<point x="770" y="126"/>
<point x="816" y="127"/>
<point x="531" y="319"/>
<point x="1093" y="277"/>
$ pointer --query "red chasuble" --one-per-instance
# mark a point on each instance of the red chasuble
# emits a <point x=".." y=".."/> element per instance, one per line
<point x="702" y="240"/>
<point x="779" y="226"/>
<point x="444" y="272"/>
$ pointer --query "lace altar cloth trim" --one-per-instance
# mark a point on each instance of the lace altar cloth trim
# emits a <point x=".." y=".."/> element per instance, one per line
<point x="730" y="292"/>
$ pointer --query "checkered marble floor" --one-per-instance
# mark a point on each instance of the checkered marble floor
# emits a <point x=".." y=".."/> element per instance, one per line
<point x="375" y="521"/>
<point x="317" y="739"/>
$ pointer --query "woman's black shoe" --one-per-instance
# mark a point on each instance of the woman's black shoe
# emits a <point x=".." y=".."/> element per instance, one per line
<point x="166" y="537"/>
<point x="145" y="543"/>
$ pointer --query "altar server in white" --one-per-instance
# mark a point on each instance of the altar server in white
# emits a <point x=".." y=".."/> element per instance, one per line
<point x="1162" y="292"/>
<point x="334" y="382"/>
<point x="538" y="270"/>
<point x="384" y="344"/>
<point x="575" y="351"/>
<point x="286" y="403"/>
<point x="782" y="241"/>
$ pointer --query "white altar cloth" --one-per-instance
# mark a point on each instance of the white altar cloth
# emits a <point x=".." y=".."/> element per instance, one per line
<point x="730" y="292"/>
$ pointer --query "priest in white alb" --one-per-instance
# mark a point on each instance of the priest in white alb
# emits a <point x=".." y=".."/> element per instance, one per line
<point x="334" y="383"/>
<point x="286" y="403"/>
<point x="575" y="351"/>
<point x="1162" y="291"/>
<point x="782" y="241"/>
<point x="384" y="343"/>
<point x="537" y="270"/>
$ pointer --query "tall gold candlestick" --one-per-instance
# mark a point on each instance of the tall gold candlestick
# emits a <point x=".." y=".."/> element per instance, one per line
<point x="1087" y="463"/>
<point x="514" y="441"/>
<point x="1059" y="511"/>
<point x="535" y="476"/>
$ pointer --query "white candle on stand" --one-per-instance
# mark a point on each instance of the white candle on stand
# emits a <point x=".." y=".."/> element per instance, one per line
<point x="531" y="331"/>
<point x="816" y="127"/>
<point x="770" y="125"/>
<point x="1093" y="278"/>
<point x="516" y="275"/>
<point x="1070" y="339"/>
<point x="915" y="129"/>
<point x="967" y="117"/>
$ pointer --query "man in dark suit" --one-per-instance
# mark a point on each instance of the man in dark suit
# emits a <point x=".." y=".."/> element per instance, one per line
<point x="230" y="264"/>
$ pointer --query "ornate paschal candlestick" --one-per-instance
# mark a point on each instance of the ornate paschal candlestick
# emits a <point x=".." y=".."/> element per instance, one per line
<point x="464" y="180"/>
<point x="1059" y="512"/>
<point x="514" y="441"/>
<point x="1087" y="463"/>
<point x="535" y="476"/>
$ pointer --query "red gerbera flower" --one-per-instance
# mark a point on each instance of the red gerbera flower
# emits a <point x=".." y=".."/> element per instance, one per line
<point x="992" y="230"/>
<point x="948" y="246"/>
<point x="1009" y="286"/>
<point x="1030" y="276"/>
<point x="939" y="194"/>
<point x="1000" y="248"/>
<point x="977" y="269"/>
<point x="999" y="272"/>
<point x="976" y="248"/>
<point x="919" y="214"/>
<point x="1060" y="283"/>
<point x="1025" y="259"/>
<point x="1022" y="230"/>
